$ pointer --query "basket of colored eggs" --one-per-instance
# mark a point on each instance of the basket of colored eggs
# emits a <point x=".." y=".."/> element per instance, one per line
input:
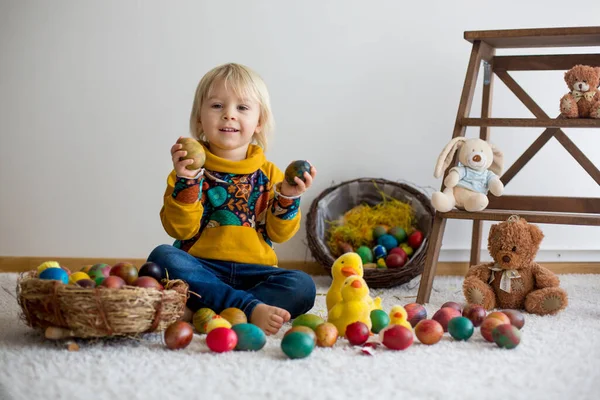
<point x="99" y="300"/>
<point x="387" y="223"/>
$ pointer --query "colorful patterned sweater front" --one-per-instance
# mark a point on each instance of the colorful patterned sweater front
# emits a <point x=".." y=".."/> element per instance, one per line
<point x="232" y="212"/>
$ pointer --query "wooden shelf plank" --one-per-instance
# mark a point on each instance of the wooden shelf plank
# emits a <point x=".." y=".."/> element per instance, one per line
<point x="543" y="37"/>
<point x="530" y="216"/>
<point x="584" y="205"/>
<point x="533" y="122"/>
<point x="544" y="62"/>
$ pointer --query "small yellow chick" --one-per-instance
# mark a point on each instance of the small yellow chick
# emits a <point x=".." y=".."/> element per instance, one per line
<point x="398" y="316"/>
<point x="353" y="306"/>
<point x="346" y="265"/>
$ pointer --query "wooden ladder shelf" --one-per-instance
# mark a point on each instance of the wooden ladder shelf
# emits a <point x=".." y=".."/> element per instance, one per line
<point x="535" y="209"/>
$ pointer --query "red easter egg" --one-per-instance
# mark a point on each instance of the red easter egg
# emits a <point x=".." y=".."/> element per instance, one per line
<point x="444" y="315"/>
<point x="357" y="333"/>
<point x="398" y="250"/>
<point x="113" y="282"/>
<point x="475" y="313"/>
<point x="221" y="340"/>
<point x="415" y="313"/>
<point x="397" y="337"/>
<point x="429" y="331"/>
<point x="415" y="239"/>
<point x="147" y="282"/>
<point x="395" y="260"/>
<point x="452" y="304"/>
<point x="178" y="335"/>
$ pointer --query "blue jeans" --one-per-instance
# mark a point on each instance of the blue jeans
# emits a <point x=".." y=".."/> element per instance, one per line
<point x="225" y="284"/>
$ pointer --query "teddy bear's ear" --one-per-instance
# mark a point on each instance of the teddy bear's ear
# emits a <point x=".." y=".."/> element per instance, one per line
<point x="446" y="156"/>
<point x="498" y="162"/>
<point x="536" y="234"/>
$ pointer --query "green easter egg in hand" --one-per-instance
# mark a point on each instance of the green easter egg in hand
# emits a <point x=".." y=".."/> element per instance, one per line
<point x="296" y="169"/>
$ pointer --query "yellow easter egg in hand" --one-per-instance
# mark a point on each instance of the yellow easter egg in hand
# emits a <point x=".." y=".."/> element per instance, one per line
<point x="195" y="152"/>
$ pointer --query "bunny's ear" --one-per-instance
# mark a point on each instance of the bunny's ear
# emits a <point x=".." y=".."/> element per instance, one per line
<point x="498" y="163"/>
<point x="446" y="156"/>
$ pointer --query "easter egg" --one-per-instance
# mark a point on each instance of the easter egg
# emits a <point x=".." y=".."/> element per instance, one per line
<point x="77" y="276"/>
<point x="221" y="339"/>
<point x="398" y="233"/>
<point x="379" y="320"/>
<point x="516" y="318"/>
<point x="327" y="334"/>
<point x="310" y="320"/>
<point x="395" y="260"/>
<point x="475" y="313"/>
<point x="151" y="269"/>
<point x="452" y="304"/>
<point x="47" y="264"/>
<point x="398" y="250"/>
<point x="506" y="336"/>
<point x="127" y="271"/>
<point x="195" y="152"/>
<point x="407" y="249"/>
<point x="429" y="331"/>
<point x="357" y="333"/>
<point x="499" y="315"/>
<point x="415" y="239"/>
<point x="378" y="231"/>
<point x="365" y="253"/>
<point x="415" y="313"/>
<point x="55" y="274"/>
<point x="296" y="169"/>
<point x="86" y="283"/>
<point x="397" y="337"/>
<point x="379" y="252"/>
<point x="460" y="328"/>
<point x="98" y="272"/>
<point x="387" y="241"/>
<point x="302" y="328"/>
<point x="249" y="337"/>
<point x="216" y="322"/>
<point x="444" y="315"/>
<point x="113" y="282"/>
<point x="86" y="268"/>
<point x="381" y="263"/>
<point x="297" y="345"/>
<point x="488" y="326"/>
<point x="201" y="318"/>
<point x="178" y="335"/>
<point x="147" y="282"/>
<point x="234" y="316"/>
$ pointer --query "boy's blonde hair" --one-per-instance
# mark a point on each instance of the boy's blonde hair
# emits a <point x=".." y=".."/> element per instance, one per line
<point x="246" y="84"/>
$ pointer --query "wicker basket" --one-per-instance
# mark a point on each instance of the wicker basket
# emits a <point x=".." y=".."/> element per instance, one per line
<point x="99" y="312"/>
<point x="332" y="203"/>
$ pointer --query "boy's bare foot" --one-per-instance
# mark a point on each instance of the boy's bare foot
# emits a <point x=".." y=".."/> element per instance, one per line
<point x="269" y="318"/>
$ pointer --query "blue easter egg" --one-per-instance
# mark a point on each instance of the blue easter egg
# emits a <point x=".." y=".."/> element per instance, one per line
<point x="55" y="274"/>
<point x="387" y="241"/>
<point x="250" y="337"/>
<point x="379" y="252"/>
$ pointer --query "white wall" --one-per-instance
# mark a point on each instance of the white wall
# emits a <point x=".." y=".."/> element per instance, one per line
<point x="93" y="94"/>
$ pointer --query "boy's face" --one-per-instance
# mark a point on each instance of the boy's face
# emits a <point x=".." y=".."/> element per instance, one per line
<point x="229" y="122"/>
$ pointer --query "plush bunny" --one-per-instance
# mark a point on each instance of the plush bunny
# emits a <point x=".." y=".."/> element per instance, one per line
<point x="467" y="185"/>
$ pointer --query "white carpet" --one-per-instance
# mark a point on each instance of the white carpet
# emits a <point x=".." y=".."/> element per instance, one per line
<point x="558" y="358"/>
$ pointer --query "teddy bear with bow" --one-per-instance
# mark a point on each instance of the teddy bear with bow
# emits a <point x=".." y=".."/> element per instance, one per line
<point x="514" y="280"/>
<point x="583" y="100"/>
<point x="479" y="166"/>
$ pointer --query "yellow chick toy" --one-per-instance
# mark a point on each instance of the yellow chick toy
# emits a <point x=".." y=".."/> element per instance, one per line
<point x="353" y="306"/>
<point x="398" y="316"/>
<point x="346" y="265"/>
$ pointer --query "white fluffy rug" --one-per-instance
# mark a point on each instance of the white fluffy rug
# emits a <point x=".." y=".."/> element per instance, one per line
<point x="558" y="358"/>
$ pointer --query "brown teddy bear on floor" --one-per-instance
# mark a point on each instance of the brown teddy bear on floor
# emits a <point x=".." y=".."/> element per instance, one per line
<point x="583" y="100"/>
<point x="514" y="280"/>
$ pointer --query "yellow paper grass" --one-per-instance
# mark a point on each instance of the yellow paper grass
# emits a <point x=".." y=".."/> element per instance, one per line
<point x="356" y="226"/>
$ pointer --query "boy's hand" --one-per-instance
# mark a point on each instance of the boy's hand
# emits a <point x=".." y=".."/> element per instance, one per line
<point x="301" y="186"/>
<point x="180" y="166"/>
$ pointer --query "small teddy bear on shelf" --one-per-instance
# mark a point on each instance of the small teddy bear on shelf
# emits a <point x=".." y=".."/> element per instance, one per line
<point x="514" y="280"/>
<point x="467" y="185"/>
<point x="583" y="101"/>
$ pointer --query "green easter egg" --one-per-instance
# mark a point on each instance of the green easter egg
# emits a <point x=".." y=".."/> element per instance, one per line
<point x="379" y="230"/>
<point x="460" y="328"/>
<point x="297" y="345"/>
<point x="201" y="318"/>
<point x="250" y="337"/>
<point x="399" y="234"/>
<point x="365" y="254"/>
<point x="379" y="320"/>
<point x="310" y="320"/>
